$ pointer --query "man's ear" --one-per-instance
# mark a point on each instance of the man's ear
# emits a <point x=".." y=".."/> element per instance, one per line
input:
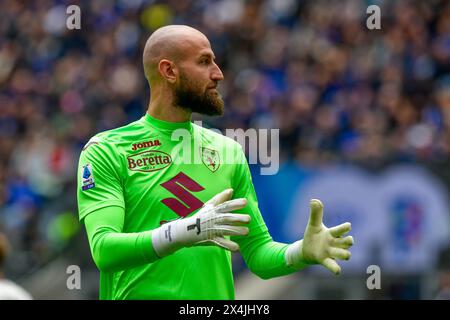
<point x="168" y="70"/>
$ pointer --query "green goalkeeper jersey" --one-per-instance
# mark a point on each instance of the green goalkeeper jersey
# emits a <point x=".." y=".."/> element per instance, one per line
<point x="134" y="178"/>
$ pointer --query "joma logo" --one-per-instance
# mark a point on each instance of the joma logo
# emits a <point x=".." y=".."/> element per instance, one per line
<point x="146" y="144"/>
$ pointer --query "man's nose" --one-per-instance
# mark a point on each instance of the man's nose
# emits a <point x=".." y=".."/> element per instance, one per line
<point x="216" y="74"/>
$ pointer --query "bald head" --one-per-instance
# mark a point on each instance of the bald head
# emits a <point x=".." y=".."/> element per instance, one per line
<point x="171" y="43"/>
<point x="183" y="76"/>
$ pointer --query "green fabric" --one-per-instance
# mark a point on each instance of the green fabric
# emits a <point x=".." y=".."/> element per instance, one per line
<point x="130" y="180"/>
<point x="113" y="250"/>
<point x="263" y="256"/>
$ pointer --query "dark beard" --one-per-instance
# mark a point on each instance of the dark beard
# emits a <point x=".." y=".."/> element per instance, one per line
<point x="207" y="103"/>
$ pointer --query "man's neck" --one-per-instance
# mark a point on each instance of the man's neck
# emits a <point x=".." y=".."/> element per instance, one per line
<point x="168" y="113"/>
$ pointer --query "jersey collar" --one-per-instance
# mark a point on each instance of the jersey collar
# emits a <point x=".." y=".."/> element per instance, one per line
<point x="166" y="125"/>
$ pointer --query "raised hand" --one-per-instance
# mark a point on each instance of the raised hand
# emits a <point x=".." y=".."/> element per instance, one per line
<point x="324" y="245"/>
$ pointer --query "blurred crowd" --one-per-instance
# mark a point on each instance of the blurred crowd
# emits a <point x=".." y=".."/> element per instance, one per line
<point x="336" y="90"/>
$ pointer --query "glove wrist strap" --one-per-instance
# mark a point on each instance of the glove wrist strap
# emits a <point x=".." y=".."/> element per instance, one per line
<point x="164" y="240"/>
<point x="294" y="257"/>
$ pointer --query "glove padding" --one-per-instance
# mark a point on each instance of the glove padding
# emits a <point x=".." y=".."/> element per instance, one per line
<point x="320" y="245"/>
<point x="208" y="226"/>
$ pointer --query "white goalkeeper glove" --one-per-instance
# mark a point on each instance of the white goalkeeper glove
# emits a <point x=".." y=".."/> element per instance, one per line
<point x="207" y="227"/>
<point x="320" y="245"/>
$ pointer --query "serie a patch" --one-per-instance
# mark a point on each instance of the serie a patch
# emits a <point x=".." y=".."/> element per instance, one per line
<point x="87" y="177"/>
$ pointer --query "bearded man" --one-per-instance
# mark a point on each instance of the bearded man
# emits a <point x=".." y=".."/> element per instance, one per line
<point x="163" y="215"/>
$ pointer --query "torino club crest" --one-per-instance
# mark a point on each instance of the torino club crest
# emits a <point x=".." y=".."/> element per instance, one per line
<point x="210" y="159"/>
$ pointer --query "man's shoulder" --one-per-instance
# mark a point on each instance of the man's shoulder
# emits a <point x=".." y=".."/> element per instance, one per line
<point x="115" y="136"/>
<point x="123" y="132"/>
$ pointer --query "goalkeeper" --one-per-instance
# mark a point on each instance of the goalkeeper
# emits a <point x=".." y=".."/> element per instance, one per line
<point x="160" y="228"/>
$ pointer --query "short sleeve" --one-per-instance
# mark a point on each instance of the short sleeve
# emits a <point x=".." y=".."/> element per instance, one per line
<point x="98" y="183"/>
